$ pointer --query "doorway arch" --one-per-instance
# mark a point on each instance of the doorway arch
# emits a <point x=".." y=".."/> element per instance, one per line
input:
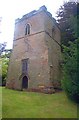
<point x="25" y="82"/>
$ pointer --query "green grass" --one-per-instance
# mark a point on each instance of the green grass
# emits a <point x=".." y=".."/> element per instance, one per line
<point x="18" y="104"/>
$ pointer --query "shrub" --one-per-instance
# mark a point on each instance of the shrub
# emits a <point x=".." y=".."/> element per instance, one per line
<point x="4" y="64"/>
<point x="70" y="81"/>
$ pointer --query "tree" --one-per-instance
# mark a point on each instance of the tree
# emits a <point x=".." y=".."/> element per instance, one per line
<point x="68" y="18"/>
<point x="65" y="13"/>
<point x="70" y="80"/>
<point x="4" y="60"/>
<point x="2" y="48"/>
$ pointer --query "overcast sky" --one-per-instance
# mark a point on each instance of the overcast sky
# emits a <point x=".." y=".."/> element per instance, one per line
<point x="13" y="9"/>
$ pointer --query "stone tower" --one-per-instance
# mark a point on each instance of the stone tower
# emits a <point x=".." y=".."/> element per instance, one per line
<point x="36" y="54"/>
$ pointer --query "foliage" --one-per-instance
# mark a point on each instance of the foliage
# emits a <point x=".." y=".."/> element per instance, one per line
<point x="37" y="105"/>
<point x="64" y="17"/>
<point x="70" y="81"/>
<point x="68" y="18"/>
<point x="4" y="70"/>
<point x="2" y="48"/>
<point x="4" y="60"/>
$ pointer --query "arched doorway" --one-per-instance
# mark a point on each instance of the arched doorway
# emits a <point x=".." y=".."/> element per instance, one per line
<point x="24" y="82"/>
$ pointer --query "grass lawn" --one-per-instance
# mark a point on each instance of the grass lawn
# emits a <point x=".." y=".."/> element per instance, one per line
<point x="18" y="104"/>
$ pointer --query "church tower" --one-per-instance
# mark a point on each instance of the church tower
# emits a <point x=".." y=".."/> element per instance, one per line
<point x="36" y="54"/>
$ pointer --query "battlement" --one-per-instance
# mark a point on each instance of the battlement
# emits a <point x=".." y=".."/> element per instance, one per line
<point x="34" y="12"/>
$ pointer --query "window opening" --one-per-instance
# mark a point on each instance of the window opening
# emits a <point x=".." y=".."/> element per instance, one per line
<point x="24" y="65"/>
<point x="27" y="30"/>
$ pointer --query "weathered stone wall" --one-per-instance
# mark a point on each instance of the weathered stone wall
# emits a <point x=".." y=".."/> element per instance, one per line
<point x="52" y="38"/>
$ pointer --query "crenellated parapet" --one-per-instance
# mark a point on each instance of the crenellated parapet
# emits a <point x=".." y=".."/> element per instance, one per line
<point x="34" y="12"/>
